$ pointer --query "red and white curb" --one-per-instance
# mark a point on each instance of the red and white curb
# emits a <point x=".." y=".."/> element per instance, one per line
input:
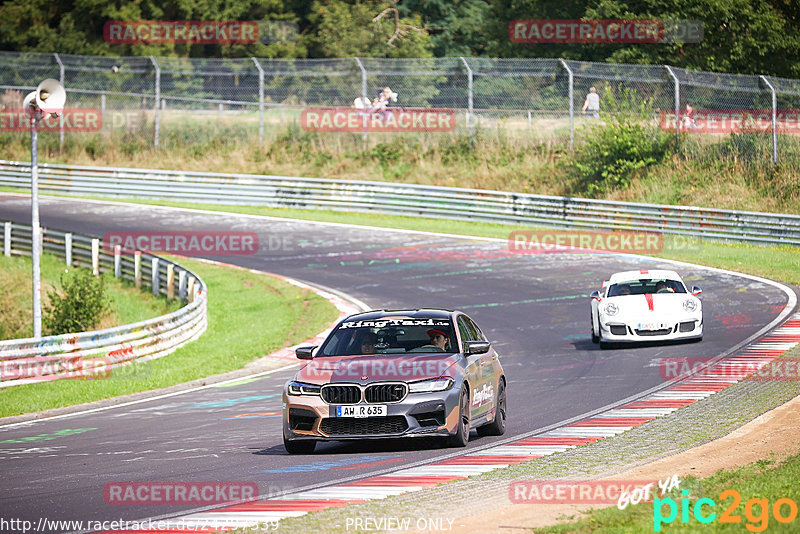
<point x="725" y="372"/>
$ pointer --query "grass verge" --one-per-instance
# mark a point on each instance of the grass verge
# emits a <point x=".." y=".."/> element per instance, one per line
<point x="127" y="304"/>
<point x="249" y="315"/>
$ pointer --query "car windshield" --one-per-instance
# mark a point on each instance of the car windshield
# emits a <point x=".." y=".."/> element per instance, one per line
<point x="391" y="336"/>
<point x="646" y="286"/>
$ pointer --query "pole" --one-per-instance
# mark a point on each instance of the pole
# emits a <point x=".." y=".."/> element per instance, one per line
<point x="677" y="83"/>
<point x="61" y="118"/>
<point x="260" y="100"/>
<point x="158" y="99"/>
<point x="35" y="229"/>
<point x="571" y="105"/>
<point x="469" y="99"/>
<point x="774" y="120"/>
<point x="363" y="94"/>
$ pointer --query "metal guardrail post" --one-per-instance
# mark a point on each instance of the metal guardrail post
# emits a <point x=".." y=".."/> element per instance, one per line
<point x="61" y="115"/>
<point x="774" y="120"/>
<point x="137" y="269"/>
<point x="182" y="284"/>
<point x="7" y="239"/>
<point x="154" y="276"/>
<point x="363" y="93"/>
<point x="117" y="262"/>
<point x="68" y="249"/>
<point x="469" y="99"/>
<point x="260" y="100"/>
<point x="571" y="104"/>
<point x="677" y="83"/>
<point x="156" y="107"/>
<point x="96" y="257"/>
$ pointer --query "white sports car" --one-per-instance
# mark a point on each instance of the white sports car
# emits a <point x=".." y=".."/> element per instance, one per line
<point x="645" y="306"/>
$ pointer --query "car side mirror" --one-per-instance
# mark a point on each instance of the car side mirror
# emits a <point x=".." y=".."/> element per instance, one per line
<point x="478" y="347"/>
<point x="305" y="353"/>
<point x="595" y="295"/>
<point x="696" y="291"/>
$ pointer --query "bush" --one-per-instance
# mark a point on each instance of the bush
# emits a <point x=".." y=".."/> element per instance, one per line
<point x="77" y="306"/>
<point x="614" y="151"/>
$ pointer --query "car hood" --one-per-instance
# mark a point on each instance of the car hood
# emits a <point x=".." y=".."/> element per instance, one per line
<point x="652" y="305"/>
<point x="366" y="368"/>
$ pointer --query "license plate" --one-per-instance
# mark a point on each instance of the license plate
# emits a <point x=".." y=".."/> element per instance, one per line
<point x="652" y="326"/>
<point x="371" y="410"/>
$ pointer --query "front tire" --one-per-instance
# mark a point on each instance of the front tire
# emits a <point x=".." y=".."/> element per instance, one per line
<point x="299" y="446"/>
<point x="461" y="437"/>
<point x="498" y="426"/>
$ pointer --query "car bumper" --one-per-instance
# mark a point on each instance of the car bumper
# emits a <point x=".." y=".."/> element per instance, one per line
<point x="626" y="332"/>
<point x="417" y="415"/>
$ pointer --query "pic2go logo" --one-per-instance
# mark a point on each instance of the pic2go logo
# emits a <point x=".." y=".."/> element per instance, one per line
<point x="784" y="510"/>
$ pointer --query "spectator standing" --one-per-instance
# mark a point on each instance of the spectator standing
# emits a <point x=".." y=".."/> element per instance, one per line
<point x="591" y="105"/>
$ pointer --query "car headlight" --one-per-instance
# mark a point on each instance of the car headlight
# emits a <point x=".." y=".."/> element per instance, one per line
<point x="300" y="388"/>
<point x="689" y="305"/>
<point x="426" y="386"/>
<point x="611" y="308"/>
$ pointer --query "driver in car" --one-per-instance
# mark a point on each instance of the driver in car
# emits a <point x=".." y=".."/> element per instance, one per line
<point x="438" y="339"/>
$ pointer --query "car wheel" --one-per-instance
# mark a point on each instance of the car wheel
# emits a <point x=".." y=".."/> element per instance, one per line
<point x="604" y="345"/>
<point x="461" y="437"/>
<point x="305" y="446"/>
<point x="498" y="426"/>
<point x="595" y="338"/>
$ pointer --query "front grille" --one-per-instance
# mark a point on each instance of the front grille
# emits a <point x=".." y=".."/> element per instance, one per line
<point x="301" y="419"/>
<point x="351" y="426"/>
<point x="385" y="392"/>
<point x="662" y="332"/>
<point x="618" y="330"/>
<point x="333" y="394"/>
<point x="687" y="327"/>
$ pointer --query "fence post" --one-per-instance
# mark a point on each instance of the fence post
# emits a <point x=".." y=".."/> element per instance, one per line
<point x="95" y="257"/>
<point x="103" y="110"/>
<point x="137" y="268"/>
<point x="117" y="261"/>
<point x="170" y="281"/>
<point x="260" y="100"/>
<point x="774" y="120"/>
<point x="190" y="289"/>
<point x="154" y="276"/>
<point x="571" y="105"/>
<point x="677" y="83"/>
<point x="363" y="93"/>
<point x="158" y="100"/>
<point x="68" y="249"/>
<point x="61" y="115"/>
<point x="469" y="98"/>
<point x="7" y="239"/>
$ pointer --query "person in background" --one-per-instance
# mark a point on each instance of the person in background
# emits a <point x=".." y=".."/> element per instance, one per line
<point x="591" y="105"/>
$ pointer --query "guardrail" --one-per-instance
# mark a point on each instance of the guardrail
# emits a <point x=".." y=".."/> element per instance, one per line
<point x="407" y="199"/>
<point x="94" y="354"/>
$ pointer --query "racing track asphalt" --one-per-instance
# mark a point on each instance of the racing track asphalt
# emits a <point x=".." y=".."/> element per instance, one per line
<point x="533" y="307"/>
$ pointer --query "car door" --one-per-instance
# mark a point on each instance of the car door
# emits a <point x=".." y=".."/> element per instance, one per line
<point x="473" y="370"/>
<point x="488" y="366"/>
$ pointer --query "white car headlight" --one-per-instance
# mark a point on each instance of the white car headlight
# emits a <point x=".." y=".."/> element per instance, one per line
<point x="300" y="388"/>
<point x="426" y="386"/>
<point x="611" y="309"/>
<point x="689" y="305"/>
